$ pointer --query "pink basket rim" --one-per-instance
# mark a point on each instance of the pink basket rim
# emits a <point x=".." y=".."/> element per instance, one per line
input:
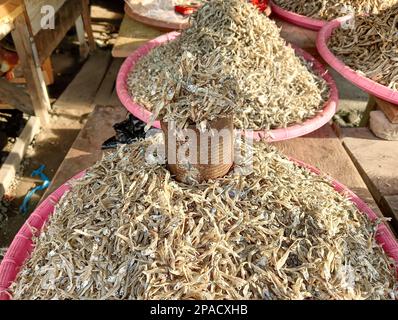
<point x="384" y="235"/>
<point x="9" y="267"/>
<point x="293" y="131"/>
<point x="351" y="75"/>
<point x="297" y="19"/>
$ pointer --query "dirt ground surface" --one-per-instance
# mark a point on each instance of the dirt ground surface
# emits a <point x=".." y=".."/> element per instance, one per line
<point x="52" y="143"/>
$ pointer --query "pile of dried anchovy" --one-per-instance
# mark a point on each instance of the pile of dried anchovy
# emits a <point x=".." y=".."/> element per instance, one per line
<point x="371" y="47"/>
<point x="331" y="9"/>
<point x="231" y="59"/>
<point x="129" y="231"/>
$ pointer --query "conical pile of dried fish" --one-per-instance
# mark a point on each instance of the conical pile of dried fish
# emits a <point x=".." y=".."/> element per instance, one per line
<point x="331" y="9"/>
<point x="231" y="59"/>
<point x="371" y="47"/>
<point x="129" y="231"/>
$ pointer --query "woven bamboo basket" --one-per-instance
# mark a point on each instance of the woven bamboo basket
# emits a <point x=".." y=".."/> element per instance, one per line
<point x="212" y="157"/>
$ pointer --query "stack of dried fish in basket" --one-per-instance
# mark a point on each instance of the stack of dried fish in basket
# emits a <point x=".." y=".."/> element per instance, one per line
<point x="269" y="229"/>
<point x="331" y="9"/>
<point x="371" y="46"/>
<point x="231" y="59"/>
<point x="127" y="230"/>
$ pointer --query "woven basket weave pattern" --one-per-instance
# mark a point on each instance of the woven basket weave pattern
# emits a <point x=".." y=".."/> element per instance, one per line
<point x="219" y="153"/>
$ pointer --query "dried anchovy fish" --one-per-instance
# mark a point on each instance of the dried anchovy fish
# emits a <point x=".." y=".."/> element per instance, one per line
<point x="331" y="9"/>
<point x="127" y="230"/>
<point x="231" y="59"/>
<point x="371" y="47"/>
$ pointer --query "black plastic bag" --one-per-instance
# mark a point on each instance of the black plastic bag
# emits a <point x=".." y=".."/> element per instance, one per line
<point x="127" y="132"/>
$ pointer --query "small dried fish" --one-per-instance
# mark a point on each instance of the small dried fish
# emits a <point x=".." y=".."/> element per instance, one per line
<point x="331" y="9"/>
<point x="371" y="47"/>
<point x="281" y="232"/>
<point x="231" y="59"/>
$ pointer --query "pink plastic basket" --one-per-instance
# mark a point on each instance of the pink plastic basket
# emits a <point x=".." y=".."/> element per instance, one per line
<point x="297" y="19"/>
<point x="351" y="75"/>
<point x="290" y="132"/>
<point x="22" y="246"/>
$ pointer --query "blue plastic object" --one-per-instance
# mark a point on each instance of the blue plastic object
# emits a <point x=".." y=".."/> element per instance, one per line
<point x="46" y="182"/>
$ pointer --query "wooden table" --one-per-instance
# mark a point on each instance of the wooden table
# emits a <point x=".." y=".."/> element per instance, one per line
<point x="132" y="35"/>
<point x="35" y="39"/>
<point x="34" y="44"/>
<point x="377" y="162"/>
<point x="9" y="11"/>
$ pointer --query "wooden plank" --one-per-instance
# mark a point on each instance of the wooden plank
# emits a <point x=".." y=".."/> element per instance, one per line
<point x="86" y="15"/>
<point x="324" y="150"/>
<point x="5" y="28"/>
<point x="82" y="90"/>
<point x="389" y="205"/>
<point x="80" y="95"/>
<point x="9" y="11"/>
<point x="132" y="35"/>
<point x="376" y="160"/>
<point x="6" y="106"/>
<point x="32" y="69"/>
<point x="8" y="8"/>
<point x="81" y="37"/>
<point x="47" y="69"/>
<point x="389" y="109"/>
<point x="10" y="167"/>
<point x="34" y="11"/>
<point x="48" y="72"/>
<point x="114" y="99"/>
<point x="47" y="40"/>
<point x="107" y="89"/>
<point x="16" y="97"/>
<point x="86" y="150"/>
